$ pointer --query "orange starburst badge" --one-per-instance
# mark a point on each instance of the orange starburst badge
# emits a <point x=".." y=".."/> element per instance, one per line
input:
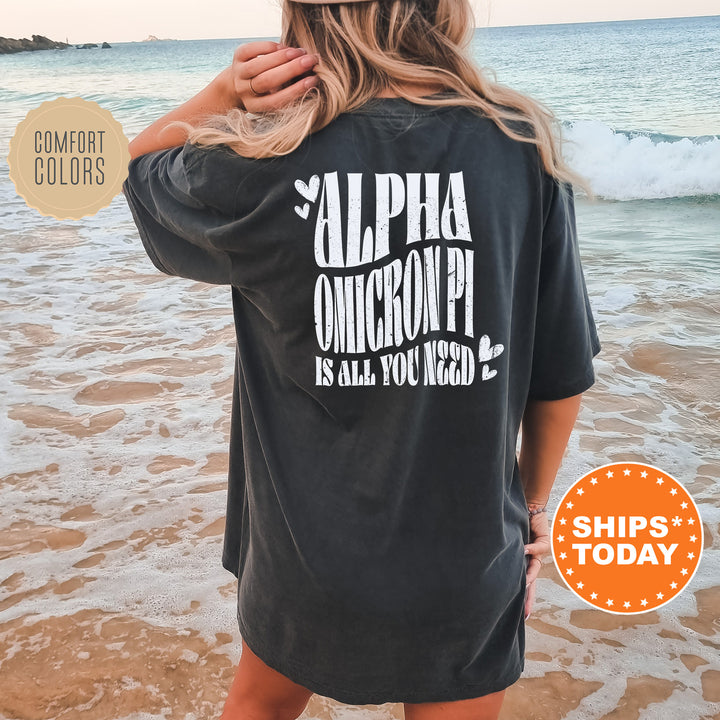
<point x="627" y="538"/>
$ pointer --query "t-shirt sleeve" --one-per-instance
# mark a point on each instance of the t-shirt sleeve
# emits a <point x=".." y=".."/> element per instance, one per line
<point x="174" y="225"/>
<point x="565" y="339"/>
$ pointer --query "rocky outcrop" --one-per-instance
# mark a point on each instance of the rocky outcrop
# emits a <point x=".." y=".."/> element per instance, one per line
<point x="38" y="42"/>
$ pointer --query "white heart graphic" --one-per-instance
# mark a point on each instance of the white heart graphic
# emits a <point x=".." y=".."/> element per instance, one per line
<point x="487" y="373"/>
<point x="309" y="191"/>
<point x="485" y="352"/>
<point x="303" y="211"/>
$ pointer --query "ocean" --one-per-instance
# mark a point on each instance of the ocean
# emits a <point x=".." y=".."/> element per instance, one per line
<point x="116" y="382"/>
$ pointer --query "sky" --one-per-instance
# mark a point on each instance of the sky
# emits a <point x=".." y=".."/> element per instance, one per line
<point x="133" y="20"/>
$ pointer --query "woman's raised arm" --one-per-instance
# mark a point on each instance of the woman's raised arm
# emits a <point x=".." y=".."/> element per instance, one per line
<point x="269" y="65"/>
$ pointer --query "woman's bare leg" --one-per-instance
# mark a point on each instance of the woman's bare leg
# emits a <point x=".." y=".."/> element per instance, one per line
<point x="486" y="707"/>
<point x="260" y="693"/>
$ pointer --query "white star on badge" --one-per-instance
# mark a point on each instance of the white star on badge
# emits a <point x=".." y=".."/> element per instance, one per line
<point x="693" y="538"/>
<point x="643" y="602"/>
<point x="561" y="538"/>
<point x="563" y="556"/>
<point x="660" y="596"/>
<point x="660" y="481"/>
<point x="626" y="604"/>
<point x="673" y="585"/>
<point x="569" y="505"/>
<point x="580" y="586"/>
<point x="563" y="521"/>
<point x="593" y="596"/>
<point x="643" y="474"/>
<point x="593" y="481"/>
<point x="677" y="521"/>
<point x="683" y="505"/>
<point x="609" y="473"/>
<point x="626" y="472"/>
<point x="691" y="555"/>
<point x="691" y="521"/>
<point x="684" y="571"/>
<point x="580" y="491"/>
<point x="673" y="491"/>
<point x="609" y="602"/>
<point x="569" y="571"/>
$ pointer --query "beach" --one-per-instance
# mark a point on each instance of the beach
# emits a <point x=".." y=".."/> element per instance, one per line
<point x="116" y="395"/>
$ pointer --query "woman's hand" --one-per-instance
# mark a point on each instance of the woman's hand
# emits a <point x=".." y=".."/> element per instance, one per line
<point x="538" y="546"/>
<point x="278" y="75"/>
<point x="268" y="64"/>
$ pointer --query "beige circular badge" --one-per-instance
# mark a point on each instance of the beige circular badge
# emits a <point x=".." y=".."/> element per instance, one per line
<point x="68" y="158"/>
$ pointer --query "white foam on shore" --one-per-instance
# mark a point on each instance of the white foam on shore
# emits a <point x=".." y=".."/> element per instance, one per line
<point x="629" y="166"/>
<point x="616" y="298"/>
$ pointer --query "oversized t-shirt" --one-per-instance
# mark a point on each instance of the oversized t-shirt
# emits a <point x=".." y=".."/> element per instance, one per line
<point x="402" y="283"/>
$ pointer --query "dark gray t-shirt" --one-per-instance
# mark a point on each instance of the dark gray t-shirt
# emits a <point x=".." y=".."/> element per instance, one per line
<point x="402" y="283"/>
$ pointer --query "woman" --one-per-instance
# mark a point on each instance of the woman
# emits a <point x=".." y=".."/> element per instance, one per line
<point x="398" y="234"/>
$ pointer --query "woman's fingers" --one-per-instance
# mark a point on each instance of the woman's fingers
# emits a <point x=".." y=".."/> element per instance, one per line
<point x="533" y="569"/>
<point x="248" y="51"/>
<point x="283" y="97"/>
<point x="277" y="76"/>
<point x="529" y="599"/>
<point x="538" y="547"/>
<point x="539" y="537"/>
<point x="260" y="64"/>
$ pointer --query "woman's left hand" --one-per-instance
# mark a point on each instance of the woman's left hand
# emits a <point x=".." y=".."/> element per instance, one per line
<point x="538" y="546"/>
<point x="266" y="75"/>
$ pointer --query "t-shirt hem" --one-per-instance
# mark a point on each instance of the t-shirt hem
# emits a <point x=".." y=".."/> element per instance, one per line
<point x="375" y="696"/>
<point x="229" y="566"/>
<point x="565" y="391"/>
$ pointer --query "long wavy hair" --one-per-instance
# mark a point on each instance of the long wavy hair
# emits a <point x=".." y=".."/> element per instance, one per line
<point x="369" y="47"/>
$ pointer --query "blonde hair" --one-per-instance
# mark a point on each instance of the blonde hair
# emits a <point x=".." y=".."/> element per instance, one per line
<point x="368" y="47"/>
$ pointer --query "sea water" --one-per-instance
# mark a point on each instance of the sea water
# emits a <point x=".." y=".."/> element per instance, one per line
<point x="116" y="379"/>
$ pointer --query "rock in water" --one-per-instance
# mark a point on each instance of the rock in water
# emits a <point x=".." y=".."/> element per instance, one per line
<point x="38" y="42"/>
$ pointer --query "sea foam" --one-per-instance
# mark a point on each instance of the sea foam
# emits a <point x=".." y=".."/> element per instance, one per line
<point x="633" y="165"/>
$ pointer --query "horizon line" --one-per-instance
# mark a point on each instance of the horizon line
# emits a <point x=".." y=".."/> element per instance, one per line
<point x="477" y="27"/>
